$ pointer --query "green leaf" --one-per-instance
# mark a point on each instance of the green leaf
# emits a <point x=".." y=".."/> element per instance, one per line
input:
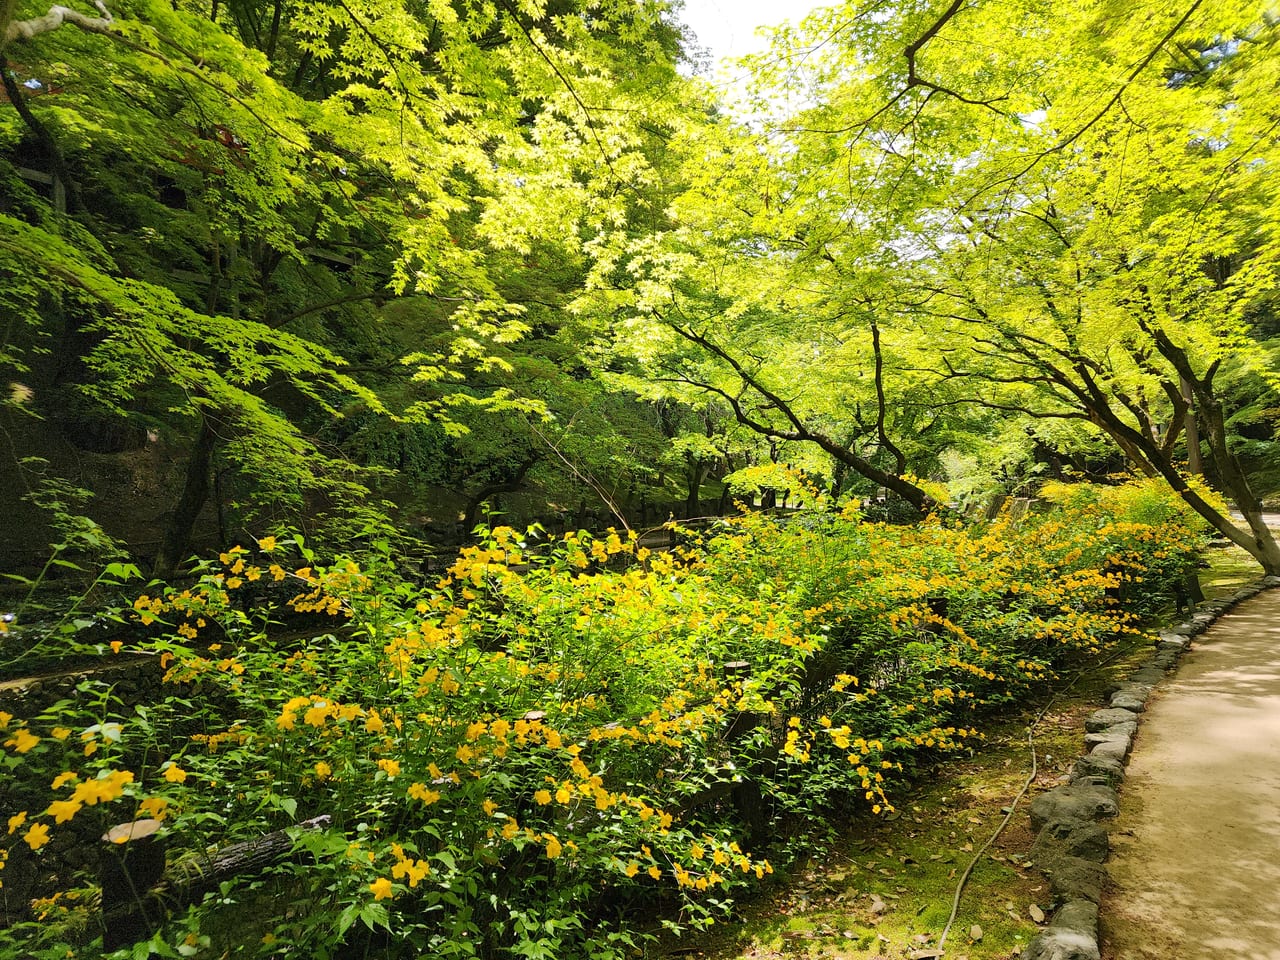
<point x="375" y="915"/>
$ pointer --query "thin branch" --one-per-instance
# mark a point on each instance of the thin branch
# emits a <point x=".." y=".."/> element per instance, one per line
<point x="1112" y="101"/>
<point x="377" y="295"/>
<point x="586" y="111"/>
<point x="800" y="430"/>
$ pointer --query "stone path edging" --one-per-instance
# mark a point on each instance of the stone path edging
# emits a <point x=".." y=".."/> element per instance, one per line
<point x="1071" y="843"/>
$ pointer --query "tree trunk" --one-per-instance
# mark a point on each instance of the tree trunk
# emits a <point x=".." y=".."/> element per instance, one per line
<point x="195" y="493"/>
<point x="132" y="918"/>
<point x="1192" y="430"/>
<point x="693" y="502"/>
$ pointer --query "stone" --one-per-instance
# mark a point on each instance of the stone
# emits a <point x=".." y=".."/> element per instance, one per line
<point x="1073" y="878"/>
<point x="1117" y="750"/>
<point x="1137" y="689"/>
<point x="1115" y="732"/>
<point x="1173" y="641"/>
<point x="1107" y="769"/>
<point x="1101" y="719"/>
<point x="1166" y="660"/>
<point x="1073" y="935"/>
<point x="1131" y="696"/>
<point x="1128" y="701"/>
<point x="1070" y="838"/>
<point x="1270" y="582"/>
<point x="1187" y="629"/>
<point x="1148" y="675"/>
<point x="1080" y="802"/>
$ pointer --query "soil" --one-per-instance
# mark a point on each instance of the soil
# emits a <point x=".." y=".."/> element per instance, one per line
<point x="1196" y="850"/>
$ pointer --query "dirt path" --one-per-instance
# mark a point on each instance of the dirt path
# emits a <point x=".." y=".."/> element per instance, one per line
<point x="1196" y="858"/>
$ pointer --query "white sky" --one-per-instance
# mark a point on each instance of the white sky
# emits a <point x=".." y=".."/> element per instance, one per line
<point x="728" y="27"/>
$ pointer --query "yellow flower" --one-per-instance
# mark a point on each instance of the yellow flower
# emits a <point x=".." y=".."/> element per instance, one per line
<point x="420" y="791"/>
<point x="61" y="779"/>
<point x="381" y="889"/>
<point x="489" y="807"/>
<point x="542" y="796"/>
<point x="37" y="836"/>
<point x="103" y="789"/>
<point x="390" y="767"/>
<point x="632" y="869"/>
<point x="323" y="770"/>
<point x="267" y="544"/>
<point x="563" y="795"/>
<point x="63" y="810"/>
<point x="417" y="870"/>
<point x="175" y="774"/>
<point x="155" y="807"/>
<point x="61" y="733"/>
<point x="655" y="872"/>
<point x="22" y="741"/>
<point x="17" y="820"/>
<point x="554" y="849"/>
<point x="116" y="645"/>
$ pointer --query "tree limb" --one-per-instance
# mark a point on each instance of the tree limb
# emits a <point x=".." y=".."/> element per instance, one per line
<point x="55" y="18"/>
<point x="800" y="430"/>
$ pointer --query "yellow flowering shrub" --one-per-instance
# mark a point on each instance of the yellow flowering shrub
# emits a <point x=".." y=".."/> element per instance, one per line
<point x="553" y="722"/>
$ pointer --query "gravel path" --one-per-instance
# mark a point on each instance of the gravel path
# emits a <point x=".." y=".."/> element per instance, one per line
<point x="1196" y="851"/>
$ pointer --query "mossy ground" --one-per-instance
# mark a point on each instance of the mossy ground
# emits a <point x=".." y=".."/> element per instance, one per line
<point x="1229" y="568"/>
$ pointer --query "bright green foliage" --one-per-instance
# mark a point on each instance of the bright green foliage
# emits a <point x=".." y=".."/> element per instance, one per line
<point x="240" y="197"/>
<point x="558" y="726"/>
<point x="982" y="232"/>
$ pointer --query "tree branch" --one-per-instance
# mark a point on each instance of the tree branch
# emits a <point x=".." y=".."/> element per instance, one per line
<point x="19" y="100"/>
<point x="800" y="430"/>
<point x="899" y="458"/>
<point x="55" y="18"/>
